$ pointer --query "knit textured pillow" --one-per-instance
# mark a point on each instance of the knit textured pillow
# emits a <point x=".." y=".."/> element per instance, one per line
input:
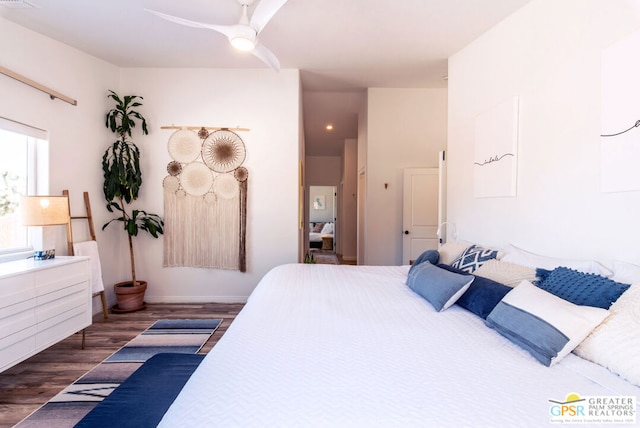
<point x="473" y="257"/>
<point x="615" y="344"/>
<point x="509" y="274"/>
<point x="451" y="250"/>
<point x="585" y="289"/>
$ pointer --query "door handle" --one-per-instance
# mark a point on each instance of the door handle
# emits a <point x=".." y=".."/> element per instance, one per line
<point x="406" y="232"/>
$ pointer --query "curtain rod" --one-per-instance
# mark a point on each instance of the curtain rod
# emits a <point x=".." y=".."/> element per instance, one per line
<point x="52" y="94"/>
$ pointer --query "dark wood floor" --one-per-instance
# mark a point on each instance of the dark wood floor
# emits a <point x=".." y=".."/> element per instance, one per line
<point x="30" y="384"/>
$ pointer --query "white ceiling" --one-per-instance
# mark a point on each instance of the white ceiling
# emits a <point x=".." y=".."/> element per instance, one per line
<point x="341" y="47"/>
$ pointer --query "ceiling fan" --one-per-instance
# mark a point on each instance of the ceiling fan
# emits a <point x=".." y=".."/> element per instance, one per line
<point x="243" y="35"/>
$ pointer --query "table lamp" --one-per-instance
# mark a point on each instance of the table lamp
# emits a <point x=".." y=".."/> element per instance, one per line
<point x="45" y="211"/>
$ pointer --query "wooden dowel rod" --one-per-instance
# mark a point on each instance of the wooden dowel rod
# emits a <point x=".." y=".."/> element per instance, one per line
<point x="208" y="128"/>
<point x="22" y="79"/>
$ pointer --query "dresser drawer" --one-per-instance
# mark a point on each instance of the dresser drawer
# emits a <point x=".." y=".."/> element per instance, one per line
<point x="17" y="329"/>
<point x="17" y="347"/>
<point x="16" y="288"/>
<point x="17" y="317"/>
<point x="61" y="301"/>
<point x="41" y="303"/>
<point x="60" y="327"/>
<point x="52" y="280"/>
<point x="17" y="302"/>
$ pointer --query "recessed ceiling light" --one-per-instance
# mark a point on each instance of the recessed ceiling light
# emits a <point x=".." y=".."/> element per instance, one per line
<point x="329" y="127"/>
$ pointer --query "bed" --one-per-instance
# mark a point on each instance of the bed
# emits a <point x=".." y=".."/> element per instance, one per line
<point x="354" y="346"/>
<point x="318" y="230"/>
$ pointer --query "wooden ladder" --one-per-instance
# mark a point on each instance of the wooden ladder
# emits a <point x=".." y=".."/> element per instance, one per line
<point x="92" y="232"/>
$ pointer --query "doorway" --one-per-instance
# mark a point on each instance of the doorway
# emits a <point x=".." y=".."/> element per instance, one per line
<point x="322" y="218"/>
<point x="420" y="213"/>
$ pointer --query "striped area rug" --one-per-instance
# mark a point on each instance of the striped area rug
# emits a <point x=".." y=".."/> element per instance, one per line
<point x="326" y="259"/>
<point x="75" y="401"/>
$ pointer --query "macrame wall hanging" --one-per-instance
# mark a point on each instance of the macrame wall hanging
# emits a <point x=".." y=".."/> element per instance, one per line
<point x="205" y="199"/>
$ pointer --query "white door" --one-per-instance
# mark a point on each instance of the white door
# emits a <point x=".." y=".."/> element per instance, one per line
<point x="361" y="217"/>
<point x="420" y="212"/>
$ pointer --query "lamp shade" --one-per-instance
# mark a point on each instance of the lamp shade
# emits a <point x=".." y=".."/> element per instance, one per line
<point x="44" y="210"/>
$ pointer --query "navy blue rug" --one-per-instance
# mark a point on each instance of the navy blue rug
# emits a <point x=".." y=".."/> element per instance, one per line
<point x="164" y="336"/>
<point x="142" y="400"/>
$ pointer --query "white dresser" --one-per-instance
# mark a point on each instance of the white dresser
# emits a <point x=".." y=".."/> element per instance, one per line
<point x="41" y="303"/>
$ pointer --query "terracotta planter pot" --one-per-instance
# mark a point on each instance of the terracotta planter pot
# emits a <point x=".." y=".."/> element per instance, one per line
<point x="129" y="298"/>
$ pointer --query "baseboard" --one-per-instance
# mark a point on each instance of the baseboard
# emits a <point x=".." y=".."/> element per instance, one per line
<point x="350" y="258"/>
<point x="97" y="308"/>
<point x="196" y="299"/>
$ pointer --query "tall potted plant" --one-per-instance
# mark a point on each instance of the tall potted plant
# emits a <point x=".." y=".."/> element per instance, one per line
<point x="122" y="181"/>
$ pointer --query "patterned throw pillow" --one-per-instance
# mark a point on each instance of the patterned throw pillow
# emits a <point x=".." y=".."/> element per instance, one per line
<point x="473" y="257"/>
<point x="318" y="228"/>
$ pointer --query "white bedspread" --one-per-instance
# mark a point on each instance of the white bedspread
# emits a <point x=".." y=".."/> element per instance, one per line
<point x="353" y="346"/>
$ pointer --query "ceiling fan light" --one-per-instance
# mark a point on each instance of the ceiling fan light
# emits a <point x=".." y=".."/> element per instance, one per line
<point x="242" y="43"/>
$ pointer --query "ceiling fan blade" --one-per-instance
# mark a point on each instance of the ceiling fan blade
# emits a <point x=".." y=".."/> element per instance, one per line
<point x="227" y="30"/>
<point x="266" y="56"/>
<point x="264" y="12"/>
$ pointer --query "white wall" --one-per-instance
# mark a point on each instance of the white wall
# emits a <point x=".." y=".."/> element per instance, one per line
<point x="548" y="53"/>
<point x="266" y="102"/>
<point x="323" y="170"/>
<point x="347" y="237"/>
<point x="405" y="128"/>
<point x="361" y="194"/>
<point x="327" y="214"/>
<point x="76" y="133"/>
<point x="256" y="99"/>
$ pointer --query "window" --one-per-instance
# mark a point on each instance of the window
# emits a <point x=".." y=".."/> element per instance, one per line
<point x="22" y="172"/>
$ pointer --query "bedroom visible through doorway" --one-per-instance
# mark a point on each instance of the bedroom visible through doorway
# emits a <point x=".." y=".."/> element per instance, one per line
<point x="322" y="218"/>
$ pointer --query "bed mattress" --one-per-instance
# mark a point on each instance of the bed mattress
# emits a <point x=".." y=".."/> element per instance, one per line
<point x="315" y="237"/>
<point x="353" y="346"/>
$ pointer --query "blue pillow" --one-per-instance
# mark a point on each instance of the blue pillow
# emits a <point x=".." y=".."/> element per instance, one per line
<point x="431" y="256"/>
<point x="473" y="257"/>
<point x="482" y="296"/>
<point x="439" y="287"/>
<point x="585" y="289"/>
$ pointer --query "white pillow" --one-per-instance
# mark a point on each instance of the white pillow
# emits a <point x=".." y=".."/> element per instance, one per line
<point x="449" y="251"/>
<point x="626" y="272"/>
<point x="327" y="229"/>
<point x="615" y="344"/>
<point x="545" y="325"/>
<point x="521" y="257"/>
<point x="509" y="274"/>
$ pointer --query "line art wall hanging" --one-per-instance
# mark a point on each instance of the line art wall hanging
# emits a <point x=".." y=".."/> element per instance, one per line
<point x="495" y="151"/>
<point x="205" y="199"/>
<point x="620" y="135"/>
